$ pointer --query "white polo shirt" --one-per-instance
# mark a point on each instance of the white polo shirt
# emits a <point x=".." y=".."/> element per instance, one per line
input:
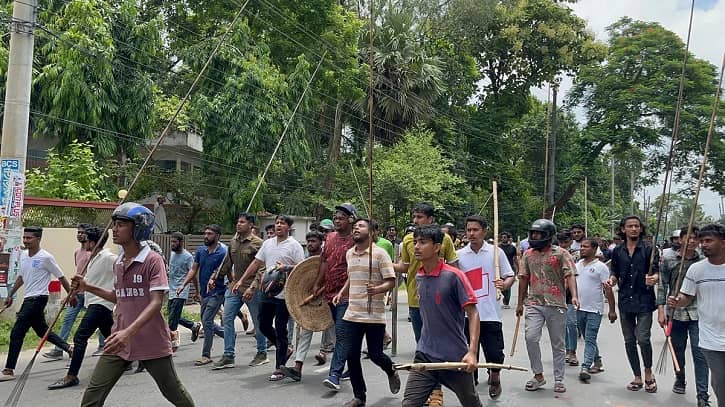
<point x="37" y="271"/>
<point x="480" y="271"/>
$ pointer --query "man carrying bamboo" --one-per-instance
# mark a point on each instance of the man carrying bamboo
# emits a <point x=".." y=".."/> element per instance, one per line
<point x="365" y="315"/>
<point x="37" y="266"/>
<point x="445" y="299"/>
<point x="684" y="320"/>
<point x="705" y="280"/>
<point x="140" y="332"/>
<point x="477" y="262"/>
<point x="631" y="270"/>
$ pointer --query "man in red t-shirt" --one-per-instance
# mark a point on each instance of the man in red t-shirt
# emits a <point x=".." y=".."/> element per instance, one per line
<point x="140" y="332"/>
<point x="332" y="277"/>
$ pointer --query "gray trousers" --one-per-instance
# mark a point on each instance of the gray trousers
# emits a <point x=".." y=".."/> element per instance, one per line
<point x="304" y="341"/>
<point x="110" y="368"/>
<point x="716" y="362"/>
<point x="555" y="319"/>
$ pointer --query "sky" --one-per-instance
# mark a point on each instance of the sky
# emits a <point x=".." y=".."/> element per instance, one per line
<point x="708" y="32"/>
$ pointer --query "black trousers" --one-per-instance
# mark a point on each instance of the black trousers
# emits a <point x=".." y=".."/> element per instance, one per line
<point x="352" y="344"/>
<point x="31" y="315"/>
<point x="274" y="310"/>
<point x="491" y="340"/>
<point x="96" y="317"/>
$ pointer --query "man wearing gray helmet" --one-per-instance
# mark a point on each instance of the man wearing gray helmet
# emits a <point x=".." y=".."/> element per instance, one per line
<point x="546" y="272"/>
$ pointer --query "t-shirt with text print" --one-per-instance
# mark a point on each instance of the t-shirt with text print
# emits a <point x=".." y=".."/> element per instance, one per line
<point x="133" y="285"/>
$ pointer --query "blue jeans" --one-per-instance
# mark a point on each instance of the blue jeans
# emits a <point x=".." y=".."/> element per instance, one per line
<point x="209" y="307"/>
<point x="253" y="306"/>
<point x="417" y="321"/>
<point x="680" y="330"/>
<point x="337" y="364"/>
<point x="571" y="328"/>
<point x="232" y="304"/>
<point x="69" y="318"/>
<point x="589" y="323"/>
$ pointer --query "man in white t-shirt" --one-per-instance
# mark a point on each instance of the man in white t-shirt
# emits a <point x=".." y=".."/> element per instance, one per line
<point x="706" y="281"/>
<point x="476" y="260"/>
<point x="37" y="266"/>
<point x="99" y="312"/>
<point x="590" y="278"/>
<point x="277" y="255"/>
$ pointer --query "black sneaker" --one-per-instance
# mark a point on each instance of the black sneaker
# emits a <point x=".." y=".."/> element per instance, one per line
<point x="226" y="362"/>
<point x="703" y="400"/>
<point x="54" y="354"/>
<point x="195" y="331"/>
<point x="394" y="382"/>
<point x="679" y="386"/>
<point x="584" y="375"/>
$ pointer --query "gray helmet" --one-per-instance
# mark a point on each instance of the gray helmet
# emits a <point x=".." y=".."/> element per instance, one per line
<point x="141" y="216"/>
<point x="547" y="230"/>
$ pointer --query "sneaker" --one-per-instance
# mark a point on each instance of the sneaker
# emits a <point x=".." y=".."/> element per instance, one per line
<point x="345" y="376"/>
<point x="259" y="359"/>
<point x="584" y="375"/>
<point x="679" y="386"/>
<point x="356" y="402"/>
<point x="703" y="400"/>
<point x="7" y="375"/>
<point x="226" y="362"/>
<point x="394" y="382"/>
<point x="195" y="331"/>
<point x="98" y="352"/>
<point x="140" y="368"/>
<point x="54" y="354"/>
<point x="204" y="360"/>
<point x="332" y="382"/>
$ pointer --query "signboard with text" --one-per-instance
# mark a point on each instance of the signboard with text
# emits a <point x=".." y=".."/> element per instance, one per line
<point x="12" y="186"/>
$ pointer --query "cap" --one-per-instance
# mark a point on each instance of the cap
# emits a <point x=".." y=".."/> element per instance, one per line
<point x="348" y="208"/>
<point x="327" y="224"/>
<point x="675" y="233"/>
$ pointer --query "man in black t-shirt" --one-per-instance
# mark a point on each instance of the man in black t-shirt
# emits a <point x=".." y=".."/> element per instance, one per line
<point x="510" y="250"/>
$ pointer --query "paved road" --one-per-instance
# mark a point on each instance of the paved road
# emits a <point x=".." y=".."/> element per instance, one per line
<point x="243" y="384"/>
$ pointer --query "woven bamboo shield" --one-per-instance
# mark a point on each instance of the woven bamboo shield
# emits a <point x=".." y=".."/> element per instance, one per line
<point x="314" y="316"/>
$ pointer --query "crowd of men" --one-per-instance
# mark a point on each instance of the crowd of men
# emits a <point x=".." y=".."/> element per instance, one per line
<point x="567" y="282"/>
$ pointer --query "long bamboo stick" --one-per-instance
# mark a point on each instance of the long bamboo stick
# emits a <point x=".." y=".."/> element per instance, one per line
<point x="455" y="366"/>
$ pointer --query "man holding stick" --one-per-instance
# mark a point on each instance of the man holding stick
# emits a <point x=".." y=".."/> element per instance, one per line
<point x="363" y="318"/>
<point x="477" y="262"/>
<point x="631" y="270"/>
<point x="37" y="266"/>
<point x="445" y="299"/>
<point x="140" y="332"/>
<point x="683" y="321"/>
<point x="547" y="271"/>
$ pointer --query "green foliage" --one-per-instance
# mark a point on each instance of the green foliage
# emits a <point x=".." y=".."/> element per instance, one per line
<point x="73" y="174"/>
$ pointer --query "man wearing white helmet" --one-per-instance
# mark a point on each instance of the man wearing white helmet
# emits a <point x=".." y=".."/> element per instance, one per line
<point x="674" y="248"/>
<point x="140" y="332"/>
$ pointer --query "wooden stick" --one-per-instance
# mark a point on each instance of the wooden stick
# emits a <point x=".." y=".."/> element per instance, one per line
<point x="454" y="366"/>
<point x="496" y="257"/>
<point x="312" y="296"/>
<point x="516" y="335"/>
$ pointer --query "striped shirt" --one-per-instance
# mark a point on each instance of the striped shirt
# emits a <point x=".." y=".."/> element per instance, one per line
<point x="358" y="266"/>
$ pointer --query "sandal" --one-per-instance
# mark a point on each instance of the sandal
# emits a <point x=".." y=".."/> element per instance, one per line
<point x="650" y="386"/>
<point x="534" y="384"/>
<point x="634" y="386"/>
<point x="559" y="387"/>
<point x="277" y="376"/>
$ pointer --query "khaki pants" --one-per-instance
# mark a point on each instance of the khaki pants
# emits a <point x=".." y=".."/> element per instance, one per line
<point x="110" y="368"/>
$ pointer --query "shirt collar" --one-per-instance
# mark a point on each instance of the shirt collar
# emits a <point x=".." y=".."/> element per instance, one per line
<point x="140" y="257"/>
<point x="436" y="271"/>
<point x="367" y="250"/>
<point x="484" y="248"/>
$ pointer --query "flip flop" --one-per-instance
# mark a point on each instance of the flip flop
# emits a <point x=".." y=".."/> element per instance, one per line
<point x="650" y="386"/>
<point x="634" y="386"/>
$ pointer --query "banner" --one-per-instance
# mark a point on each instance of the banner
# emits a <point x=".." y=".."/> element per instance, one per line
<point x="12" y="186"/>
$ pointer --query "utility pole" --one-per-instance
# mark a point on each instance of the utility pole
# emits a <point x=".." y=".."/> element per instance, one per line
<point x="551" y="172"/>
<point x="586" y="208"/>
<point x="16" y="119"/>
<point x="612" y="202"/>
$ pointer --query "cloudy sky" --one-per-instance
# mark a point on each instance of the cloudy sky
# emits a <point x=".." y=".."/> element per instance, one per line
<point x="706" y="41"/>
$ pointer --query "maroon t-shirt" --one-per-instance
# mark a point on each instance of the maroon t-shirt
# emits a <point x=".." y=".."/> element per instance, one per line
<point x="334" y="253"/>
<point x="133" y="294"/>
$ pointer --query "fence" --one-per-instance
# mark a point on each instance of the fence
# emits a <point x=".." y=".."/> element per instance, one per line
<point x="65" y="213"/>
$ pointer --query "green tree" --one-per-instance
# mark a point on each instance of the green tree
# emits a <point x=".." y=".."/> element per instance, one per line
<point x="73" y="174"/>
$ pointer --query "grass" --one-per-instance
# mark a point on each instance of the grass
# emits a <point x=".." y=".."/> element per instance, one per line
<point x="31" y="340"/>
